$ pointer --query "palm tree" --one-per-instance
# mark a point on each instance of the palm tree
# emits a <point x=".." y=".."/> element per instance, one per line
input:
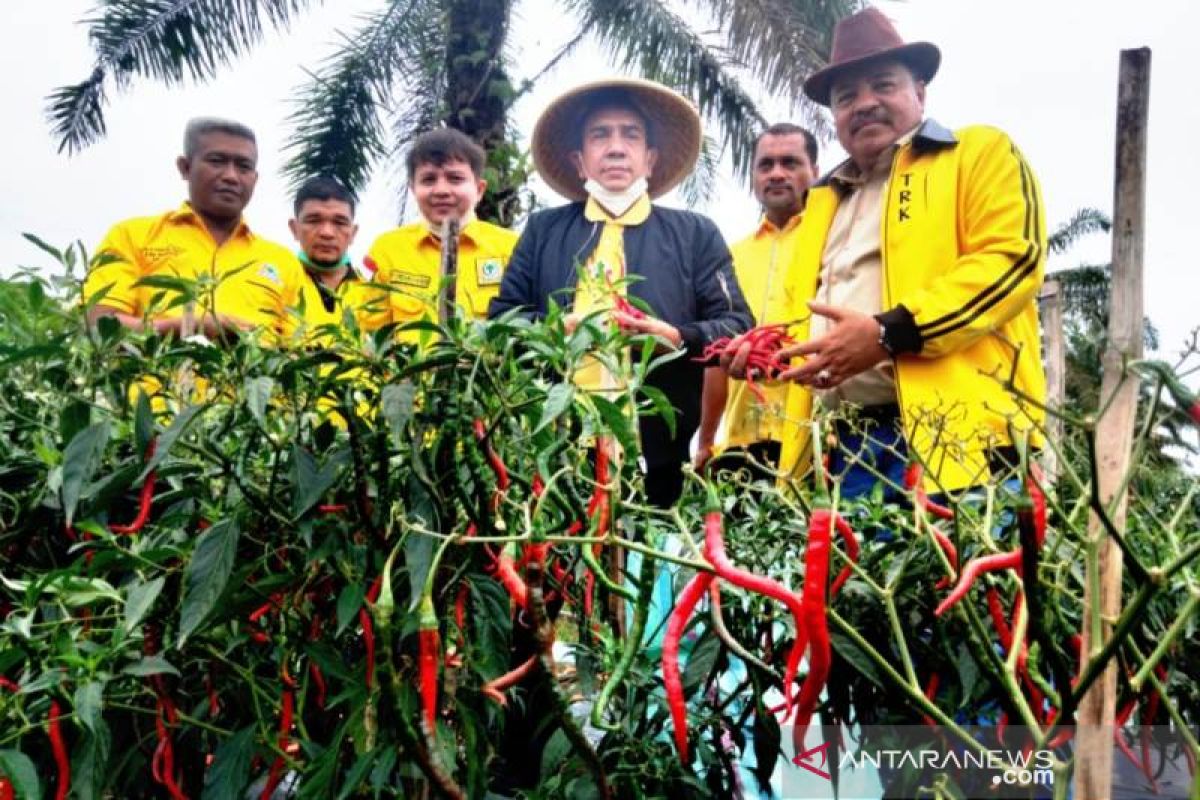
<point x="414" y="64"/>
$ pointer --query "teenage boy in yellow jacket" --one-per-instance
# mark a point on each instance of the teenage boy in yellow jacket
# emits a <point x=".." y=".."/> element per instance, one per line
<point x="445" y="173"/>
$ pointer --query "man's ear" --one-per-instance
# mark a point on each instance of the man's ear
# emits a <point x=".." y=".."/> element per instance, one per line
<point x="292" y="226"/>
<point x="184" y="166"/>
<point x="921" y="93"/>
<point x="480" y="188"/>
<point x="577" y="160"/>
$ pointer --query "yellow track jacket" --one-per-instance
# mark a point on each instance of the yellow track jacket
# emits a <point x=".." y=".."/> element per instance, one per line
<point x="963" y="247"/>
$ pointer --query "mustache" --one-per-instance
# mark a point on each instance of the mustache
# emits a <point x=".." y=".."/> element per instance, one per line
<point x="864" y="118"/>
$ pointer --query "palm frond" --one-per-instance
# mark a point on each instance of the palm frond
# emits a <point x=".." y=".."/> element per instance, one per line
<point x="782" y="42"/>
<point x="338" y="114"/>
<point x="701" y="184"/>
<point x="646" y="36"/>
<point x="1085" y="221"/>
<point x="166" y="40"/>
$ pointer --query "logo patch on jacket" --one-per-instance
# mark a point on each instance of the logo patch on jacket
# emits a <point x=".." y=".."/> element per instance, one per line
<point x="270" y="272"/>
<point x="489" y="271"/>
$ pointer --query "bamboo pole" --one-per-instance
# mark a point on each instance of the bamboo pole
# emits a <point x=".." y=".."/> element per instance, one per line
<point x="1056" y="371"/>
<point x="1114" y="430"/>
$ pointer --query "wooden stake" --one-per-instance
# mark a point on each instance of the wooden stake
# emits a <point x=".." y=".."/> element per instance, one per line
<point x="1114" y="430"/>
<point x="1056" y="371"/>
<point x="448" y="270"/>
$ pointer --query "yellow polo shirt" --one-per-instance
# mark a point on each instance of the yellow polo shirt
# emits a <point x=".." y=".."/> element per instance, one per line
<point x="258" y="280"/>
<point x="407" y="260"/>
<point x="761" y="262"/>
<point x="320" y="307"/>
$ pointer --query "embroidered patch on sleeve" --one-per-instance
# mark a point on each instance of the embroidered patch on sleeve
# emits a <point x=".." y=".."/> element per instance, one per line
<point x="410" y="279"/>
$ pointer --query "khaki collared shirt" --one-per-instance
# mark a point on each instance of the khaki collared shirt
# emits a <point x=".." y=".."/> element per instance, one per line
<point x="852" y="270"/>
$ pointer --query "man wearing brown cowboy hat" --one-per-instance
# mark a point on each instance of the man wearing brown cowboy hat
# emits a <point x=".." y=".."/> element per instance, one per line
<point x="922" y="256"/>
<point x="611" y="147"/>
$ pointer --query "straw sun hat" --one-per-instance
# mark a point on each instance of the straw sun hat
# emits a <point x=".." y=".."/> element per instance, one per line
<point x="674" y="130"/>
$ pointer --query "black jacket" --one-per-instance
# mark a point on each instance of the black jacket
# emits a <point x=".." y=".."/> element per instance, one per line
<point x="686" y="277"/>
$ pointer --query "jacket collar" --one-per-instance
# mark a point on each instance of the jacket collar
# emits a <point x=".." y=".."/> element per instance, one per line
<point x="930" y="136"/>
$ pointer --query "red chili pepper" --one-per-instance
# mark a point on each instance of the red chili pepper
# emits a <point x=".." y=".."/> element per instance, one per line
<point x="6" y="789"/>
<point x="813" y="622"/>
<point x="429" y="657"/>
<point x="930" y="693"/>
<point x="494" y="460"/>
<point x="5" y="683"/>
<point x="144" y="499"/>
<point x="364" y="619"/>
<point x="764" y="342"/>
<point x="622" y="304"/>
<point x="696" y="588"/>
<point x="844" y="530"/>
<point x="59" y="747"/>
<point x="333" y="508"/>
<point x="714" y="551"/>
<point x="494" y="690"/>
<point x="976" y="567"/>
<point x="287" y="709"/>
<point x="913" y="482"/>
<point x="506" y="573"/>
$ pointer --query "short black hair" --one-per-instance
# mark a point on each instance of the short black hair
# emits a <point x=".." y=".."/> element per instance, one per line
<point x="322" y="187"/>
<point x="445" y="144"/>
<point x="202" y="126"/>
<point x="612" y="97"/>
<point x="790" y="129"/>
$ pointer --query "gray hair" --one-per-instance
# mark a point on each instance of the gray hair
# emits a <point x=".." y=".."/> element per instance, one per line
<point x="201" y="126"/>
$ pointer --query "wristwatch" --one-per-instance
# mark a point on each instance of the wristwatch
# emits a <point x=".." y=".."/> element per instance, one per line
<point x="884" y="340"/>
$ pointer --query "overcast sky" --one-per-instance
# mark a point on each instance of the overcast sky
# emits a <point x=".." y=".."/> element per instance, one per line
<point x="1044" y="70"/>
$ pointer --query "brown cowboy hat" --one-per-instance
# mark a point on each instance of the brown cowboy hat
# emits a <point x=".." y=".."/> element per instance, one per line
<point x="674" y="130"/>
<point x="868" y="36"/>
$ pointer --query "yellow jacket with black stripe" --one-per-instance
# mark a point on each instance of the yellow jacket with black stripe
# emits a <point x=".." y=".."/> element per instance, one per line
<point x="963" y="249"/>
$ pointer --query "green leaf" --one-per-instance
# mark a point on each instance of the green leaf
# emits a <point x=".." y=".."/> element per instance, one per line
<point x="21" y="773"/>
<point x="75" y="416"/>
<point x="141" y="598"/>
<point x="89" y="704"/>
<point x="143" y="420"/>
<point x="312" y="480"/>
<point x="418" y="556"/>
<point x="767" y="740"/>
<point x="151" y="665"/>
<point x="558" y="400"/>
<point x="556" y="752"/>
<point x="701" y="660"/>
<point x="257" y="392"/>
<point x="43" y="245"/>
<point x="396" y="405"/>
<point x="350" y="600"/>
<point x="207" y="573"/>
<point x="356" y="775"/>
<point x="80" y="460"/>
<point x="89" y="763"/>
<point x="226" y="779"/>
<point x="170" y="436"/>
<point x="617" y="422"/>
<point x="857" y="658"/>
<point x="662" y="406"/>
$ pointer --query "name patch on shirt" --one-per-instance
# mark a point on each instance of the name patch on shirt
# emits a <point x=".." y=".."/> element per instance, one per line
<point x="157" y="254"/>
<point x="411" y="279"/>
<point x="489" y="271"/>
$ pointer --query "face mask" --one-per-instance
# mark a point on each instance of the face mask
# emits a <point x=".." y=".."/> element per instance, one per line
<point x="616" y="203"/>
<point x="322" y="266"/>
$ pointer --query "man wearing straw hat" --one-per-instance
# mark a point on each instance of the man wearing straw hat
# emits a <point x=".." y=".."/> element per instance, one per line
<point x="611" y="147"/>
<point x="922" y="256"/>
